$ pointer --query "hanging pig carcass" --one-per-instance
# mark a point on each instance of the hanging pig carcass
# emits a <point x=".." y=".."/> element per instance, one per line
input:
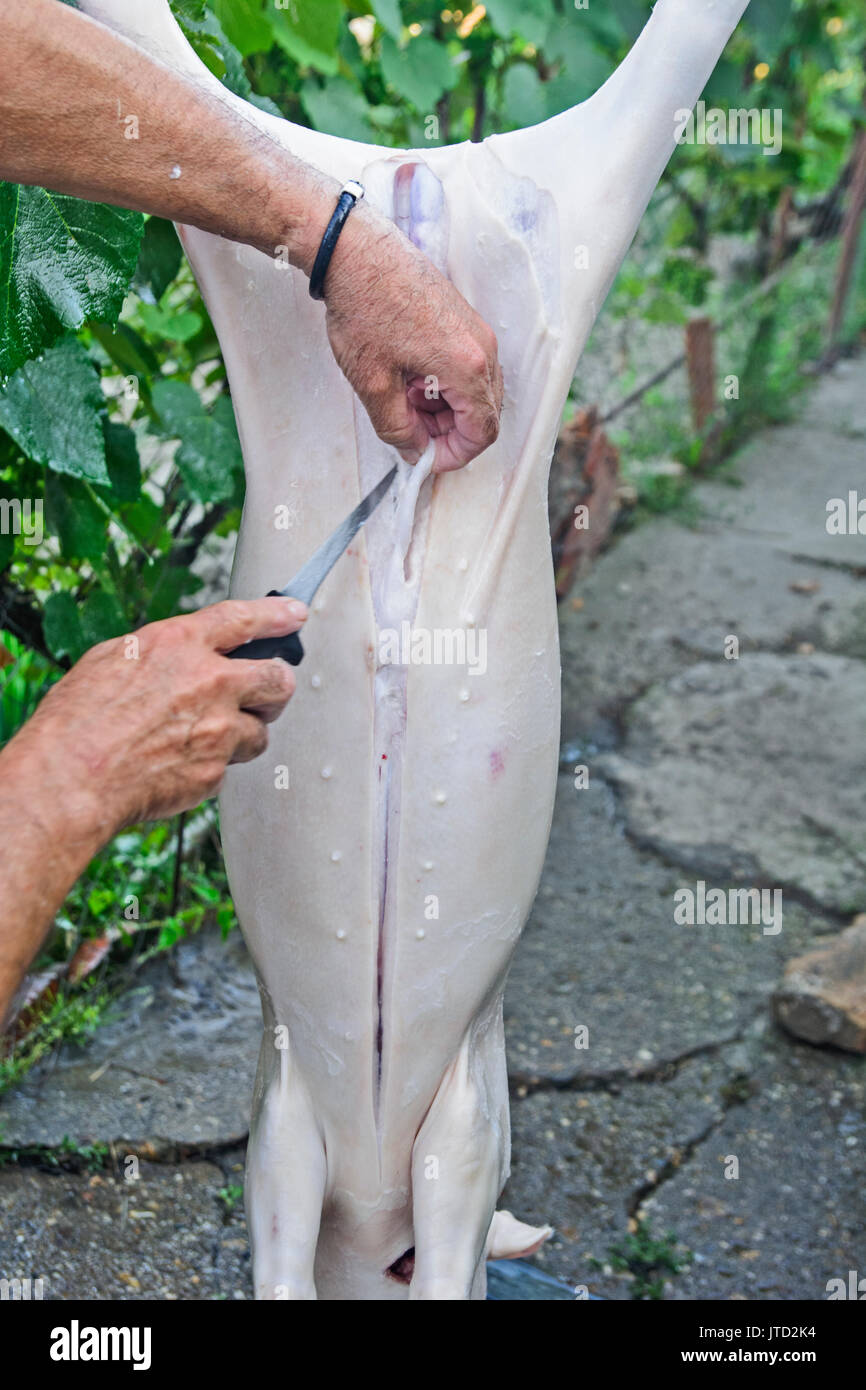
<point x="384" y="853"/>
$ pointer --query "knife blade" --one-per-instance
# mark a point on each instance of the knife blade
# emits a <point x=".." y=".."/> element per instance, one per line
<point x="310" y="576"/>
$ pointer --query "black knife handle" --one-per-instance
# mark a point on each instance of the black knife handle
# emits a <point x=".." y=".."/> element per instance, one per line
<point x="288" y="648"/>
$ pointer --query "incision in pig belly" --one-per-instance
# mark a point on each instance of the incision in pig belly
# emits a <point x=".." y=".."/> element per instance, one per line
<point x="394" y="583"/>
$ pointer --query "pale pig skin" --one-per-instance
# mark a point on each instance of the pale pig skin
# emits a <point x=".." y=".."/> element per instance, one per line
<point x="383" y="891"/>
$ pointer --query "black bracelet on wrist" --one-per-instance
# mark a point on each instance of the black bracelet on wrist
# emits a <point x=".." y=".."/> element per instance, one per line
<point x="350" y="193"/>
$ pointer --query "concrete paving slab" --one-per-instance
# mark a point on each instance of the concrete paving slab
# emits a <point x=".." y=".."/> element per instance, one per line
<point x="793" y="1218"/>
<point x="603" y="952"/>
<point x="754" y="770"/>
<point x="173" y="1065"/>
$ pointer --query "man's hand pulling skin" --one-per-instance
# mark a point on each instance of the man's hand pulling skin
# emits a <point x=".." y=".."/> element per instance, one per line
<point x="393" y="320"/>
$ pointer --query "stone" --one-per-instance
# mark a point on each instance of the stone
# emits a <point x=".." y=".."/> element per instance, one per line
<point x="822" y="996"/>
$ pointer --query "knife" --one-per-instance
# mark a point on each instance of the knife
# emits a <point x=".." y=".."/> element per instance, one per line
<point x="307" y="580"/>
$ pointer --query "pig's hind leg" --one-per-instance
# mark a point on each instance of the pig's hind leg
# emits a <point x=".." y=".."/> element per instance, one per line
<point x="457" y="1172"/>
<point x="286" y="1177"/>
<point x="459" y="1165"/>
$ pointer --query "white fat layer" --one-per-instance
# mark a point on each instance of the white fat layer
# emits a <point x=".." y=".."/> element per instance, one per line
<point x="394" y="581"/>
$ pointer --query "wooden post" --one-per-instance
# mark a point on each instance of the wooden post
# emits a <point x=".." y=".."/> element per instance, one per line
<point x="850" y="239"/>
<point x="700" y="357"/>
<point x="781" y="222"/>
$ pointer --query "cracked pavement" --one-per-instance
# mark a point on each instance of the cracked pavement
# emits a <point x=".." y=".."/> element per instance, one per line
<point x="682" y="1104"/>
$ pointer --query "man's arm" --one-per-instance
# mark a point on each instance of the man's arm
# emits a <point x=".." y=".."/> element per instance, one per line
<point x="140" y="728"/>
<point x="62" y="76"/>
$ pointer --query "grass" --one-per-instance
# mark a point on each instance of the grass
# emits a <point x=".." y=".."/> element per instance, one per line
<point x="72" y="1015"/>
<point x="230" y="1196"/>
<point x="650" y="1259"/>
<point x="68" y="1156"/>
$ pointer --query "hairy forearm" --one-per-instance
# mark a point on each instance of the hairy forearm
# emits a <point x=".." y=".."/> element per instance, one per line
<point x="50" y="829"/>
<point x="66" y="87"/>
<point x="130" y="734"/>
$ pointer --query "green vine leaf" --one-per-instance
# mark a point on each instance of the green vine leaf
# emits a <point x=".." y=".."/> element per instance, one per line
<point x="209" y="455"/>
<point x="309" y="33"/>
<point x="388" y="14"/>
<point x="61" y="624"/>
<point x="75" y="518"/>
<point x="53" y="407"/>
<point x="528" y="18"/>
<point x="101" y="618"/>
<point x="337" y="108"/>
<point x="121" y="457"/>
<point x="245" y="24"/>
<point x="159" y="260"/>
<point x="61" y="261"/>
<point x="420" y="72"/>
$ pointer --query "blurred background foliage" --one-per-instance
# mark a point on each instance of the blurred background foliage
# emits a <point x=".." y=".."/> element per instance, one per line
<point x="115" y="412"/>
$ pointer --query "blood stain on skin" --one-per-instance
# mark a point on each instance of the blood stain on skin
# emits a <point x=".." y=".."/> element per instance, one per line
<point x="497" y="764"/>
